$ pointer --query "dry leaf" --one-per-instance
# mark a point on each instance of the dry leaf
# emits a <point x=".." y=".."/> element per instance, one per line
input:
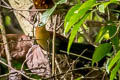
<point x="19" y="45"/>
<point x="38" y="62"/>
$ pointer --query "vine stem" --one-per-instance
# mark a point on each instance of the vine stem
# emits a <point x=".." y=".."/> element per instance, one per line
<point x="53" y="47"/>
<point x="7" y="50"/>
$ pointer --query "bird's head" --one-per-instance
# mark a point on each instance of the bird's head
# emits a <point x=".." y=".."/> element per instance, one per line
<point x="40" y="27"/>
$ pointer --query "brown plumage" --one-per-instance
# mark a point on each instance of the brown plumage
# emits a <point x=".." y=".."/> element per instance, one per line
<point x="44" y="39"/>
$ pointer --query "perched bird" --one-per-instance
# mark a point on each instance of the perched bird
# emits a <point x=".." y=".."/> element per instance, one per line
<point x="44" y="39"/>
<point x="42" y="36"/>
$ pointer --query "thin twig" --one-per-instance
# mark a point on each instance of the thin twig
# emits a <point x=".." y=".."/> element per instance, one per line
<point x="4" y="75"/>
<point x="13" y="9"/>
<point x="7" y="74"/>
<point x="108" y="13"/>
<point x="53" y="46"/>
<point x="103" y="78"/>
<point x="16" y="70"/>
<point x="56" y="62"/>
<point x="59" y="26"/>
<point x="77" y="55"/>
<point x="7" y="50"/>
<point x="5" y="3"/>
<point x="71" y="71"/>
<point x="89" y="73"/>
<point x="117" y="31"/>
<point x="73" y="63"/>
<point x="26" y="19"/>
<point x="60" y="71"/>
<point x="25" y="62"/>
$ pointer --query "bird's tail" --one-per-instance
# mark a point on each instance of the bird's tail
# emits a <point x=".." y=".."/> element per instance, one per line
<point x="78" y="48"/>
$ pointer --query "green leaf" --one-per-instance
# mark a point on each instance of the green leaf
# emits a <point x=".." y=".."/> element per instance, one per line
<point x="78" y="1"/>
<point x="102" y="8"/>
<point x="75" y="29"/>
<point x="112" y="29"/>
<point x="80" y="39"/>
<point x="78" y="78"/>
<point x="114" y="71"/>
<point x="7" y="20"/>
<point x="100" y="52"/>
<point x="113" y="1"/>
<point x="114" y="60"/>
<point x="61" y="1"/>
<point x="73" y="16"/>
<point x="101" y="34"/>
<point x="47" y="14"/>
<point x="70" y="14"/>
<point x="115" y="39"/>
<point x="115" y="42"/>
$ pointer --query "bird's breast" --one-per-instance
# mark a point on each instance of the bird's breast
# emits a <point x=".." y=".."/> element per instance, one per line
<point x="42" y="37"/>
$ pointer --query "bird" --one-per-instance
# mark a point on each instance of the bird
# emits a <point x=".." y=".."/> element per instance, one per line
<point x="44" y="39"/>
